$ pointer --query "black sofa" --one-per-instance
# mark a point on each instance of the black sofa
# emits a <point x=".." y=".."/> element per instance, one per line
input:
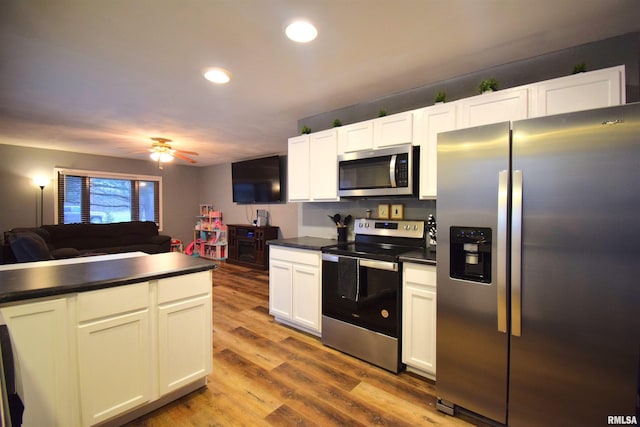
<point x="72" y="240"/>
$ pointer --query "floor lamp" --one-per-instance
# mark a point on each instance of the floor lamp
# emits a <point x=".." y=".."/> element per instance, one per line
<point x="41" y="182"/>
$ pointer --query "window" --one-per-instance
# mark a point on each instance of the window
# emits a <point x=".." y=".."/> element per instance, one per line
<point x="100" y="197"/>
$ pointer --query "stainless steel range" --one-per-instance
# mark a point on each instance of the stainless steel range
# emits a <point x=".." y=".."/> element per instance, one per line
<point x="361" y="290"/>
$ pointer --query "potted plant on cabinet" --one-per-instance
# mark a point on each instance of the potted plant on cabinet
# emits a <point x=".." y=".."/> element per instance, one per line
<point x="337" y="123"/>
<point x="440" y="98"/>
<point x="488" y="85"/>
<point x="305" y="130"/>
<point x="579" y="68"/>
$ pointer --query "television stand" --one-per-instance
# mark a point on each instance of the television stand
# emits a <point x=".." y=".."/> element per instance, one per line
<point x="247" y="245"/>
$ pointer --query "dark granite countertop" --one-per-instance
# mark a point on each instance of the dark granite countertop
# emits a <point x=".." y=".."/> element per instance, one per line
<point x="28" y="283"/>
<point x="422" y="256"/>
<point x="311" y="243"/>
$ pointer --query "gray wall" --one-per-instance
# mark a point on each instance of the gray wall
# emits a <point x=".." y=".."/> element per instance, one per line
<point x="21" y="198"/>
<point x="215" y="188"/>
<point x="601" y="54"/>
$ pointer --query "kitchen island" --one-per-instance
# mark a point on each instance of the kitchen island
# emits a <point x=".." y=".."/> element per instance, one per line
<point x="104" y="339"/>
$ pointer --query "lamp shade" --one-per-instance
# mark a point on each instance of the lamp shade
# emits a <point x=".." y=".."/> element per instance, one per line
<point x="41" y="181"/>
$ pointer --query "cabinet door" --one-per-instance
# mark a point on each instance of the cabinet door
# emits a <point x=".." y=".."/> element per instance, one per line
<point x="356" y="137"/>
<point x="306" y="297"/>
<point x="184" y="342"/>
<point x="298" y="178"/>
<point x="495" y="107"/>
<point x="280" y="289"/>
<point x="114" y="365"/>
<point x="323" y="165"/>
<point x="44" y="377"/>
<point x="184" y="330"/>
<point x="419" y="318"/>
<point x="393" y="130"/>
<point x="583" y="91"/>
<point x="114" y="351"/>
<point x="440" y="118"/>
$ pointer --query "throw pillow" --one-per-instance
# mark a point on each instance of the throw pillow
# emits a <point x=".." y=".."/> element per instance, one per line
<point x="29" y="247"/>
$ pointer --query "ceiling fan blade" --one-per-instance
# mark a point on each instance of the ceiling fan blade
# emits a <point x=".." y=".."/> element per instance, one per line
<point x="186" y="152"/>
<point x="161" y="140"/>
<point x="181" y="157"/>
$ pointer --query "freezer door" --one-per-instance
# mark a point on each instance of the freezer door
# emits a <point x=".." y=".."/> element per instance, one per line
<point x="471" y="348"/>
<point x="576" y="359"/>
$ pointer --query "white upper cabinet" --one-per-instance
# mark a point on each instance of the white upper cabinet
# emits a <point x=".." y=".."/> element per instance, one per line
<point x="312" y="172"/>
<point x="431" y="121"/>
<point x="298" y="178"/>
<point x="582" y="91"/>
<point x="393" y="130"/>
<point x="494" y="107"/>
<point x="323" y="165"/>
<point x="355" y="137"/>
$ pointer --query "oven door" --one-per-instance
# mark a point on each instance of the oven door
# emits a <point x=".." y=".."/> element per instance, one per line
<point x="362" y="292"/>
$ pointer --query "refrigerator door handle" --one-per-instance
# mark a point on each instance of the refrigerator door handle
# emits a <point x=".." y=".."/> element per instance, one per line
<point x="516" y="255"/>
<point x="503" y="188"/>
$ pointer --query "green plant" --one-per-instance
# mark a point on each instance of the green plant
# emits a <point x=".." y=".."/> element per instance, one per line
<point x="305" y="129"/>
<point x="337" y="123"/>
<point x="440" y="97"/>
<point x="488" y="84"/>
<point x="579" y="68"/>
<point x="382" y="113"/>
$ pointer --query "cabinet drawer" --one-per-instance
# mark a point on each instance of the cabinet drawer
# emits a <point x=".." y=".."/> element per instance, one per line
<point x="298" y="256"/>
<point x="107" y="302"/>
<point x="421" y="274"/>
<point x="182" y="287"/>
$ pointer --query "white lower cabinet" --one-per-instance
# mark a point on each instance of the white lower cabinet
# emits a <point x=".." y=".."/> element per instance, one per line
<point x="86" y="358"/>
<point x="45" y="379"/>
<point x="419" y="319"/>
<point x="184" y="305"/>
<point x="114" y="349"/>
<point x="295" y="287"/>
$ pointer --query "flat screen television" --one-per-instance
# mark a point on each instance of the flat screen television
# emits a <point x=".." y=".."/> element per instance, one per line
<point x="257" y="181"/>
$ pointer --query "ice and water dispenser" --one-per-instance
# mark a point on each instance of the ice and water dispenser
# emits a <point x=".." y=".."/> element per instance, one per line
<point x="471" y="254"/>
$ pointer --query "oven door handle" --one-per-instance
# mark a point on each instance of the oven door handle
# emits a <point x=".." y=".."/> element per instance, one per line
<point x="379" y="265"/>
<point x="330" y="257"/>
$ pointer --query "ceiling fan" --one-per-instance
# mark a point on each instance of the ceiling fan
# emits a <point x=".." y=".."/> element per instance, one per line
<point x="162" y="152"/>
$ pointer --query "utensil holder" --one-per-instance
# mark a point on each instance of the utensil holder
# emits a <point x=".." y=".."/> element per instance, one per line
<point x="342" y="234"/>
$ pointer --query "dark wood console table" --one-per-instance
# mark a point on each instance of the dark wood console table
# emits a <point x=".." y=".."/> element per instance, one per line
<point x="247" y="245"/>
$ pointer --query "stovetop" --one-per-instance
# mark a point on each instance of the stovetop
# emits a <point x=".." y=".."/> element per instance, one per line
<point x="382" y="239"/>
<point x="383" y="252"/>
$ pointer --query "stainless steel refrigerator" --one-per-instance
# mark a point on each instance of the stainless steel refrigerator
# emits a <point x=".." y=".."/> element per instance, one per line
<point x="538" y="269"/>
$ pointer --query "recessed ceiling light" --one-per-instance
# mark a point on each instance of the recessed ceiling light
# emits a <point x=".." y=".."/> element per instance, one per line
<point x="217" y="75"/>
<point x="301" y="31"/>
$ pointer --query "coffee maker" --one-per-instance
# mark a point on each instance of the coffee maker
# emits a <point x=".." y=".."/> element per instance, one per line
<point x="471" y="254"/>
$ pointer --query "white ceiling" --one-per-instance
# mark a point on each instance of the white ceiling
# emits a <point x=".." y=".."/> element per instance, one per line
<point x="102" y="77"/>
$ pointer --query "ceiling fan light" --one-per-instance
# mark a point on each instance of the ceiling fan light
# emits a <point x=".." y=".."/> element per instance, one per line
<point x="217" y="75"/>
<point x="166" y="157"/>
<point x="155" y="156"/>
<point x="301" y="31"/>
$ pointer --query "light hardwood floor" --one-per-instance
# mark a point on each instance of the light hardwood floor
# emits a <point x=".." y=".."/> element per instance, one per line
<point x="268" y="374"/>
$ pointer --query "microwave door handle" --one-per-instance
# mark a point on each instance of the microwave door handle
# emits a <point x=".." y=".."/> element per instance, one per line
<point x="392" y="171"/>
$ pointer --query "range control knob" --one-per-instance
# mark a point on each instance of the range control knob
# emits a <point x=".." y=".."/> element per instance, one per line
<point x="366" y="225"/>
<point x="415" y="227"/>
<point x="360" y="225"/>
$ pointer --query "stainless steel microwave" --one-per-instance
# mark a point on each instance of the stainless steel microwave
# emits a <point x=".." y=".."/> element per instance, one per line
<point x="385" y="172"/>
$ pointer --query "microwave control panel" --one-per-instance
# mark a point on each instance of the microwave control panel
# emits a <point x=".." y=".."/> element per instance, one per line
<point x="402" y="170"/>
